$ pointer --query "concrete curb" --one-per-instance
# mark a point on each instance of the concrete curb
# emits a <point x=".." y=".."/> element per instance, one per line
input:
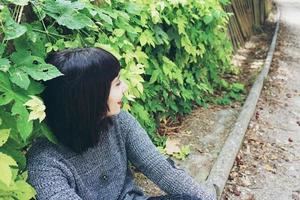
<point x="222" y="167"/>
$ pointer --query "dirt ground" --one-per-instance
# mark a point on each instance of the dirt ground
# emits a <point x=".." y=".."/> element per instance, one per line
<point x="206" y="129"/>
<point x="268" y="164"/>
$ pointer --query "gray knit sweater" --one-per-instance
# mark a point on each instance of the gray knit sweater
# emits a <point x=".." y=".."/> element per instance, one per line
<point x="102" y="172"/>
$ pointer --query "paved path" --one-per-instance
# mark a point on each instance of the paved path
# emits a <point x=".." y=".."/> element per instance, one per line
<point x="268" y="165"/>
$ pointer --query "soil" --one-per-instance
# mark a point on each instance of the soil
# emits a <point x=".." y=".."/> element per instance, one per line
<point x="206" y="129"/>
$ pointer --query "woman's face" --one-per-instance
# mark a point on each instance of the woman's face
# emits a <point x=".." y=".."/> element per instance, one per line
<point x="117" y="89"/>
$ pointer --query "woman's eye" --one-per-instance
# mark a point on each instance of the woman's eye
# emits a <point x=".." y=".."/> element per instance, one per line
<point x="119" y="83"/>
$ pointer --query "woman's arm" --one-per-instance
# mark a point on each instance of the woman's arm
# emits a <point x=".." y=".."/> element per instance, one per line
<point x="144" y="155"/>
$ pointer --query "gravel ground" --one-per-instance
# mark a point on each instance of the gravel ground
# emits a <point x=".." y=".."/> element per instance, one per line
<point x="268" y="165"/>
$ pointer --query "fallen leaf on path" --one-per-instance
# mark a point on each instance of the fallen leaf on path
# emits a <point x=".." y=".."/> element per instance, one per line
<point x="257" y="115"/>
<point x="251" y="197"/>
<point x="236" y="192"/>
<point x="270" y="168"/>
<point x="245" y="181"/>
<point x="172" y="146"/>
<point x="239" y="160"/>
<point x="288" y="95"/>
<point x="233" y="175"/>
<point x="273" y="157"/>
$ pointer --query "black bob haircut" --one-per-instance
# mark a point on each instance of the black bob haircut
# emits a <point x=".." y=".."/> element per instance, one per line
<point x="76" y="103"/>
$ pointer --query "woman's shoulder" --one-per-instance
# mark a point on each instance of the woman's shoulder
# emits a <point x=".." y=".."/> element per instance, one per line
<point x="125" y="119"/>
<point x="124" y="115"/>
<point x="42" y="150"/>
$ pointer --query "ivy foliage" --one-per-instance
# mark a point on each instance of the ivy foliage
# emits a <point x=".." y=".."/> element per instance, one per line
<point x="173" y="53"/>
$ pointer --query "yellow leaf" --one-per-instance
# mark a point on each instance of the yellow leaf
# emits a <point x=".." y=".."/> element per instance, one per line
<point x="5" y="163"/>
<point x="4" y="134"/>
<point x="130" y="97"/>
<point x="154" y="14"/>
<point x="37" y="115"/>
<point x="5" y="174"/>
<point x="270" y="168"/>
<point x="126" y="107"/>
<point x="7" y="159"/>
<point x="37" y="108"/>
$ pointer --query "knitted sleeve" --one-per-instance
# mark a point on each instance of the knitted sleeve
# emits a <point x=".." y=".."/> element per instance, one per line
<point x="49" y="181"/>
<point x="144" y="155"/>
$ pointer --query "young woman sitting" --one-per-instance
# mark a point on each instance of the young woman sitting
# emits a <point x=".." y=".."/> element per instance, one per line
<point x="96" y="139"/>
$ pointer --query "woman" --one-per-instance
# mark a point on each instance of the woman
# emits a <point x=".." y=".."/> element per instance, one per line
<point x="96" y="139"/>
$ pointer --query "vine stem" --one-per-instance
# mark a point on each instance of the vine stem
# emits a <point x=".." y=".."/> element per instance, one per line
<point x="2" y="27"/>
<point x="16" y="8"/>
<point x="49" y="33"/>
<point x="44" y="26"/>
<point x="20" y="14"/>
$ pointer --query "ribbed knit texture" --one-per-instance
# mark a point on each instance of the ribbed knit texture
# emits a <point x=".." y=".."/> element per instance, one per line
<point x="102" y="172"/>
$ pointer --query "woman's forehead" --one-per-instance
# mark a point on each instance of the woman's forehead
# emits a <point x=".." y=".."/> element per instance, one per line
<point x="117" y="78"/>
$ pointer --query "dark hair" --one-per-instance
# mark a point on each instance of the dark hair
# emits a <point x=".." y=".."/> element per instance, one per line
<point x="76" y="103"/>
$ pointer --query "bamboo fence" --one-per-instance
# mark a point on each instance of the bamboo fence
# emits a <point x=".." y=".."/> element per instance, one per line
<point x="246" y="16"/>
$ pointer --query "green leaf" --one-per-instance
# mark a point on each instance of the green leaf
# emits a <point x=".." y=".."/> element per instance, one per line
<point x="75" y="20"/>
<point x="23" y="125"/>
<point x="119" y="32"/>
<point x="147" y="38"/>
<point x="23" y="190"/>
<point x="2" y="49"/>
<point x="208" y="18"/>
<point x="10" y="149"/>
<point x="19" y="77"/>
<point x="49" y="135"/>
<point x="4" y="64"/>
<point x="141" y="112"/>
<point x="187" y="44"/>
<point x="33" y="66"/>
<point x="238" y="87"/>
<point x="4" y="134"/>
<point x="8" y="122"/>
<point x="154" y="76"/>
<point x="107" y="19"/>
<point x="42" y="71"/>
<point x="62" y="6"/>
<point x="35" y="87"/>
<point x="38" y="9"/>
<point x="5" y="89"/>
<point x="181" y="23"/>
<point x="19" y="2"/>
<point x="133" y="8"/>
<point x="154" y="14"/>
<point x="12" y="29"/>
<point x="109" y="48"/>
<point x="8" y="92"/>
<point x="21" y="56"/>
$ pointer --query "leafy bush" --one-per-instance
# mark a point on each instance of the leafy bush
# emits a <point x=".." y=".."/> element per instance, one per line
<point x="173" y="54"/>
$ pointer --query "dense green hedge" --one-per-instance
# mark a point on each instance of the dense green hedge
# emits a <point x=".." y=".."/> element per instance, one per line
<point x="173" y="54"/>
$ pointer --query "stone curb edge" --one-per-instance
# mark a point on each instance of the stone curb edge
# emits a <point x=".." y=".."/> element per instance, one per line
<point x="225" y="160"/>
